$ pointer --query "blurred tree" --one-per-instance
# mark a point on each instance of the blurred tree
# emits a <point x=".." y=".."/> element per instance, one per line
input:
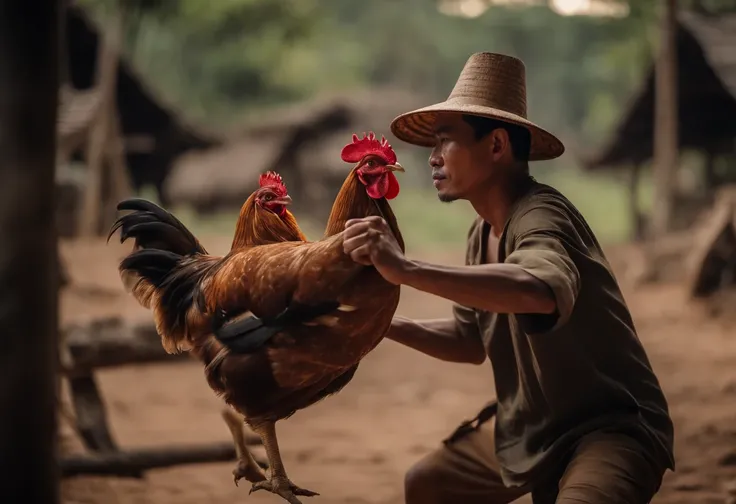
<point x="218" y="59"/>
<point x="28" y="267"/>
<point x="216" y="56"/>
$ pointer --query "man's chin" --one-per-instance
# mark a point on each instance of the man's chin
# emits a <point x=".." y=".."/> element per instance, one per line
<point x="446" y="198"/>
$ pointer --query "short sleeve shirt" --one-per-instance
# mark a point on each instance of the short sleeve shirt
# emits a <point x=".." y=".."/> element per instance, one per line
<point x="562" y="376"/>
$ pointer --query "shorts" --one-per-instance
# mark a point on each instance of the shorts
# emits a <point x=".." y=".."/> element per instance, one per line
<point x="604" y="468"/>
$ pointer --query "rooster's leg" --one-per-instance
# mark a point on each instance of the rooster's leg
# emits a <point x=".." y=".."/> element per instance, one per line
<point x="278" y="482"/>
<point x="247" y="467"/>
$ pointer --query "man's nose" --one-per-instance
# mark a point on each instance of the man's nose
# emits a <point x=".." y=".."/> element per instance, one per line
<point x="435" y="160"/>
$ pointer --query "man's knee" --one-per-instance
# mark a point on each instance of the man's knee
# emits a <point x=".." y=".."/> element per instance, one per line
<point x="420" y="482"/>
<point x="609" y="468"/>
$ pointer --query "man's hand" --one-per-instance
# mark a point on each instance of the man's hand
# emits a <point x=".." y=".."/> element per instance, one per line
<point x="369" y="241"/>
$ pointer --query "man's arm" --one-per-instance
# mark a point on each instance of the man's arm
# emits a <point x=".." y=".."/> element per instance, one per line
<point x="538" y="278"/>
<point x="439" y="338"/>
<point x="497" y="288"/>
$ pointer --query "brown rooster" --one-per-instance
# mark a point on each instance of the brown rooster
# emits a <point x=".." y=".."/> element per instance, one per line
<point x="308" y="313"/>
<point x="264" y="218"/>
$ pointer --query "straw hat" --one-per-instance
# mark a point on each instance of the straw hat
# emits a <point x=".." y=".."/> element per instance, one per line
<point x="490" y="85"/>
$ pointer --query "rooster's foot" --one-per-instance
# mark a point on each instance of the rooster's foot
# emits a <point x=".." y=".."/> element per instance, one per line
<point x="248" y="471"/>
<point x="284" y="488"/>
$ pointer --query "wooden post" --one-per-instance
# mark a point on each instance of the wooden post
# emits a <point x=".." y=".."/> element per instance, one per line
<point x="119" y="185"/>
<point x="28" y="292"/>
<point x="64" y="58"/>
<point x="90" y="218"/>
<point x="711" y="179"/>
<point x="665" y="119"/>
<point x="637" y="223"/>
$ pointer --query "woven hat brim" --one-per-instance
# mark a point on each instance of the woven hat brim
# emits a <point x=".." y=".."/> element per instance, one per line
<point x="416" y="127"/>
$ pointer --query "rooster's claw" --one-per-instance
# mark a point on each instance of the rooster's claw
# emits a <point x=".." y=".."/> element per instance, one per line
<point x="284" y="488"/>
<point x="243" y="470"/>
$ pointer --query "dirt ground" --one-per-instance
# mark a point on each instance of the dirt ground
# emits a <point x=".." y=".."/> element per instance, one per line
<point x="356" y="446"/>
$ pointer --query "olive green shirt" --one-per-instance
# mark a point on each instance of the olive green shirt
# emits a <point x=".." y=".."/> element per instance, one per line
<point x="561" y="376"/>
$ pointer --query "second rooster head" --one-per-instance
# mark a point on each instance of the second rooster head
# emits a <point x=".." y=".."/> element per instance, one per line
<point x="272" y="194"/>
<point x="376" y="164"/>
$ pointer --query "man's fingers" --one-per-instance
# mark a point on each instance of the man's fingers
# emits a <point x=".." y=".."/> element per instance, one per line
<point x="362" y="255"/>
<point x="356" y="229"/>
<point x="372" y="219"/>
<point x="366" y="237"/>
<point x="350" y="244"/>
<point x="362" y="220"/>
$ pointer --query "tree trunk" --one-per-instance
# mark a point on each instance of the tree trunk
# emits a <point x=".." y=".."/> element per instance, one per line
<point x="29" y="52"/>
<point x="665" y="120"/>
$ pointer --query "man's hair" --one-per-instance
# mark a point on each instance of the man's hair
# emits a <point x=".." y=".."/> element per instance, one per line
<point x="519" y="136"/>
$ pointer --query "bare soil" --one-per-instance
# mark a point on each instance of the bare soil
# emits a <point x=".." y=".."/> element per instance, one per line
<point x="355" y="447"/>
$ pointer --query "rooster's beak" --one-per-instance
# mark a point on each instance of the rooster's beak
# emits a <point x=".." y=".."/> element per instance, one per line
<point x="395" y="167"/>
<point x="284" y="200"/>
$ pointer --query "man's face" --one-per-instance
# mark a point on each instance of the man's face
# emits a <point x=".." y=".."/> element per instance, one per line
<point x="461" y="165"/>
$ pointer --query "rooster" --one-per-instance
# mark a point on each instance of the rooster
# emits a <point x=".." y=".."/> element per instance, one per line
<point x="264" y="218"/>
<point x="292" y="319"/>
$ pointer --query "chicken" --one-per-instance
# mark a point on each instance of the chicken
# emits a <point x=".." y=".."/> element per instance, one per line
<point x="304" y="313"/>
<point x="264" y="218"/>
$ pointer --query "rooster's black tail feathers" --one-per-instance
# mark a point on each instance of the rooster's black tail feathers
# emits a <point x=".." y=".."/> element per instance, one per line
<point x="152" y="227"/>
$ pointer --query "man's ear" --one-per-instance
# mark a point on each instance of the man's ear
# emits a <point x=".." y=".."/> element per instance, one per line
<point x="498" y="143"/>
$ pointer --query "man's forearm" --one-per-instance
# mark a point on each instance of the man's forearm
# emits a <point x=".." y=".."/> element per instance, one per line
<point x="438" y="338"/>
<point x="497" y="288"/>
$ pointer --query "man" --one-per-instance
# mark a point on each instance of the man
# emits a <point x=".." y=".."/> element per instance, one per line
<point x="580" y="416"/>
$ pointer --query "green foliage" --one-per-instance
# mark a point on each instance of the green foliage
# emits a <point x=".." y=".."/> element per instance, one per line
<point x="218" y="60"/>
<point x="214" y="58"/>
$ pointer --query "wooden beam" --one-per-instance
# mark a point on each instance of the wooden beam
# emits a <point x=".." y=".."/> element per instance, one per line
<point x="112" y="343"/>
<point x="29" y="79"/>
<point x="712" y="258"/>
<point x="90" y="414"/>
<point x="131" y="463"/>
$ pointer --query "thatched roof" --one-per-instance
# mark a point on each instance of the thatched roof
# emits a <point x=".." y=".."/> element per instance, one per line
<point x="222" y="177"/>
<point x="706" y="51"/>
<point x="302" y="142"/>
<point x="142" y="112"/>
<point x="717" y="37"/>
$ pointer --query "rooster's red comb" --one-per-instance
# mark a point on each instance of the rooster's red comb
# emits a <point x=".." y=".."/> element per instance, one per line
<point x="272" y="179"/>
<point x="369" y="144"/>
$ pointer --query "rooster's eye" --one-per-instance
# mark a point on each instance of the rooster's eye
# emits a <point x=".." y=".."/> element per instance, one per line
<point x="371" y="163"/>
<point x="268" y="197"/>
